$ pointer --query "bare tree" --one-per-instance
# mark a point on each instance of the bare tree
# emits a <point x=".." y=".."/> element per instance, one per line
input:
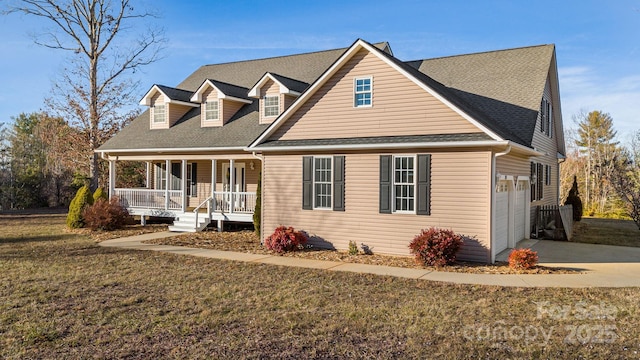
<point x="94" y="88"/>
<point x="626" y="178"/>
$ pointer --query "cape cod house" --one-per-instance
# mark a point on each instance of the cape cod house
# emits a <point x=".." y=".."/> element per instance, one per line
<point x="355" y="144"/>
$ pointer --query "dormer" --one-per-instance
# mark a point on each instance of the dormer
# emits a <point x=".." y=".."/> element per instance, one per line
<point x="167" y="105"/>
<point x="276" y="93"/>
<point x="219" y="102"/>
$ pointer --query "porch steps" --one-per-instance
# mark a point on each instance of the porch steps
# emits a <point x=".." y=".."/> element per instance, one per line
<point x="186" y="222"/>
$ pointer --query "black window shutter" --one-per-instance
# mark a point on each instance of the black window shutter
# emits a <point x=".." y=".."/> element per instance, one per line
<point x="423" y="192"/>
<point x="386" y="171"/>
<point x="540" y="181"/>
<point x="338" y="183"/>
<point x="543" y="108"/>
<point x="533" y="181"/>
<point x="307" y="182"/>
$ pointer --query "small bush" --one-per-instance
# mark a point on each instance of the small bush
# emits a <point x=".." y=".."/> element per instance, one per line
<point x="353" y="248"/>
<point x="82" y="199"/>
<point x="285" y="239"/>
<point x="523" y="259"/>
<point x="106" y="215"/>
<point x="436" y="247"/>
<point x="99" y="194"/>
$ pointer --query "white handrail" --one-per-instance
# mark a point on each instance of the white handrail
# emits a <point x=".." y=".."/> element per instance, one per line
<point x="197" y="209"/>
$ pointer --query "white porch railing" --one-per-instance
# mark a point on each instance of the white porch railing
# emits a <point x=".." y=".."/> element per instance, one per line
<point x="150" y="199"/>
<point x="234" y="202"/>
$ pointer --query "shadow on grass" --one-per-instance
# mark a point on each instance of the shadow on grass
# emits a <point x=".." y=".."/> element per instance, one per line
<point x="38" y="238"/>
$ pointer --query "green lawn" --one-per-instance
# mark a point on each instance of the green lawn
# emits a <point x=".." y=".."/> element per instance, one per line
<point x="606" y="231"/>
<point x="61" y="296"/>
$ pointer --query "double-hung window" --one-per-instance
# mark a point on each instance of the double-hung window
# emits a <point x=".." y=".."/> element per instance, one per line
<point x="159" y="114"/>
<point x="271" y="106"/>
<point x="403" y="184"/>
<point x="537" y="181"/>
<point x="322" y="180"/>
<point x="211" y="110"/>
<point x="363" y="92"/>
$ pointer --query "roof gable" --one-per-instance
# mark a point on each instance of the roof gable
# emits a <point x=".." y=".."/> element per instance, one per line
<point x="419" y="79"/>
<point x="224" y="90"/>
<point x="287" y="85"/>
<point x="171" y="95"/>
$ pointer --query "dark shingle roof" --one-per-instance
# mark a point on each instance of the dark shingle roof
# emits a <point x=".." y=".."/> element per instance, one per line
<point x="176" y="94"/>
<point x="243" y="127"/>
<point x="413" y="139"/>
<point x="231" y="90"/>
<point x="503" y="88"/>
<point x="500" y="89"/>
<point x="291" y="84"/>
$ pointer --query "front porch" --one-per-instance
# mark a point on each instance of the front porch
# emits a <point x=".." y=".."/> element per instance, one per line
<point x="193" y="192"/>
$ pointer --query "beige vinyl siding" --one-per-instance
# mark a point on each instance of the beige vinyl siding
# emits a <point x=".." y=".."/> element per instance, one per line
<point x="548" y="146"/>
<point x="399" y="107"/>
<point x="460" y="198"/>
<point x="513" y="165"/>
<point x="287" y="100"/>
<point x="209" y="95"/>
<point x="270" y="88"/>
<point x="158" y="99"/>
<point x="175" y="112"/>
<point x="229" y="108"/>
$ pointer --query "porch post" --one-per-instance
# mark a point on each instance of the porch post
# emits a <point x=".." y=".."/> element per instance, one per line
<point x="184" y="185"/>
<point x="213" y="182"/>
<point x="232" y="184"/>
<point x="148" y="178"/>
<point x="167" y="184"/>
<point x="112" y="178"/>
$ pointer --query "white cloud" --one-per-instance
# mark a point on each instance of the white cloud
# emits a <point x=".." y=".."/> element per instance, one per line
<point x="583" y="89"/>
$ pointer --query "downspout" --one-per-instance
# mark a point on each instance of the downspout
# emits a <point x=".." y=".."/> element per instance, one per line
<point x="493" y="201"/>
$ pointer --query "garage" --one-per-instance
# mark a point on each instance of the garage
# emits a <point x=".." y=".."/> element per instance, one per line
<point x="521" y="211"/>
<point x="502" y="216"/>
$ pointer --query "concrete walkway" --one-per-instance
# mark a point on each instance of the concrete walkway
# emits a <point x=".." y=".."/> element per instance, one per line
<point x="601" y="265"/>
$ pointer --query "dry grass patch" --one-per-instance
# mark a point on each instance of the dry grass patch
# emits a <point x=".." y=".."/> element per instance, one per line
<point x="247" y="241"/>
<point x="63" y="297"/>
<point x="606" y="232"/>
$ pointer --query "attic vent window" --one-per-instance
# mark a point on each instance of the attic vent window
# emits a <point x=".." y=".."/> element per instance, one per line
<point x="159" y="114"/>
<point x="362" y="92"/>
<point x="211" y="110"/>
<point x="271" y="106"/>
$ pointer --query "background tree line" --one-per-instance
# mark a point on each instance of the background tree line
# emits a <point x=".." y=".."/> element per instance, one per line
<point x="608" y="172"/>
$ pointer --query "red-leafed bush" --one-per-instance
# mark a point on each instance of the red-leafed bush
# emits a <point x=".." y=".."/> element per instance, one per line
<point x="285" y="239"/>
<point x="436" y="247"/>
<point x="105" y="215"/>
<point x="523" y="259"/>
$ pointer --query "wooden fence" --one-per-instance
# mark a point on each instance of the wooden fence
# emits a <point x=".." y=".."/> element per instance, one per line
<point x="554" y="222"/>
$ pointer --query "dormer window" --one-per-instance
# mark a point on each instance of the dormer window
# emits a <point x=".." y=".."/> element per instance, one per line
<point x="211" y="111"/>
<point x="271" y="106"/>
<point x="362" y="92"/>
<point x="159" y="114"/>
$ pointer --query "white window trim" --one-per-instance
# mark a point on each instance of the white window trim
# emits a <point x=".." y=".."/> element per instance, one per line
<point x="313" y="182"/>
<point x="355" y="92"/>
<point x="207" y="111"/>
<point x="164" y="110"/>
<point x="393" y="184"/>
<point x="264" y="106"/>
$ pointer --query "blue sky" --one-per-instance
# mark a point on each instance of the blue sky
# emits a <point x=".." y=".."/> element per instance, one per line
<point x="597" y="42"/>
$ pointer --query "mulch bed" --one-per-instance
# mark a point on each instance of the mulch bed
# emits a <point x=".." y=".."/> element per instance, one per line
<point x="248" y="242"/>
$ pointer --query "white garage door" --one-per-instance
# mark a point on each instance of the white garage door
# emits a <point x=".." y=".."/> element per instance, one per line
<point x="502" y="216"/>
<point x="520" y="210"/>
